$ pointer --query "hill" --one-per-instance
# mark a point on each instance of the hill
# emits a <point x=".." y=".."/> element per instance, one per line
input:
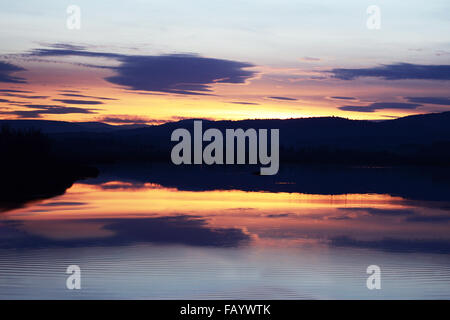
<point x="419" y="140"/>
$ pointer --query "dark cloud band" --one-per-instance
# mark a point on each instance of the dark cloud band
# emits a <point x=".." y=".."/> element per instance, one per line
<point x="6" y="69"/>
<point x="399" y="71"/>
<point x="282" y="98"/>
<point x="443" y="101"/>
<point x="381" y="105"/>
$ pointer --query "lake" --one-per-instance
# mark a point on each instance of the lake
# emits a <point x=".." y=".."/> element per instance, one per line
<point x="166" y="232"/>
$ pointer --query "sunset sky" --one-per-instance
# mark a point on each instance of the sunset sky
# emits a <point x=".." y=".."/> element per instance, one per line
<point x="143" y="61"/>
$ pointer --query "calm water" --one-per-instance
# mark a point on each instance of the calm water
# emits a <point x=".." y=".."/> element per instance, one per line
<point x="208" y="233"/>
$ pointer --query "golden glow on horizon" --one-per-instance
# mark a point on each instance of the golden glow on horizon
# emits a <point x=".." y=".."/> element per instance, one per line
<point x="162" y="108"/>
<point x="250" y="100"/>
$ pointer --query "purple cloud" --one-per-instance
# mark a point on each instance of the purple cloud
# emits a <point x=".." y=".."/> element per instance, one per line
<point x="283" y="98"/>
<point x="174" y="73"/>
<point x="39" y="109"/>
<point x="444" y="101"/>
<point x="5" y="73"/>
<point x="70" y="101"/>
<point x="381" y="105"/>
<point x="398" y="71"/>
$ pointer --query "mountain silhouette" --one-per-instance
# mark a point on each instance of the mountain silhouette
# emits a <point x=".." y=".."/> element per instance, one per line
<point x="412" y="140"/>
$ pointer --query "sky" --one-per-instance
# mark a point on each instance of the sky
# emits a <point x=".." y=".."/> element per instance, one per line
<point x="142" y="61"/>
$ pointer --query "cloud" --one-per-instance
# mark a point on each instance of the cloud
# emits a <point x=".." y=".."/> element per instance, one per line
<point x="69" y="51"/>
<point x="181" y="118"/>
<point x="442" y="53"/>
<point x="283" y="98"/>
<point x="65" y="46"/>
<point x="127" y="119"/>
<point x="15" y="91"/>
<point x="83" y="96"/>
<point x="23" y="96"/>
<point x="398" y="71"/>
<point x="309" y="59"/>
<point x="124" y="119"/>
<point x="70" y="91"/>
<point x="5" y="73"/>
<point x="70" y="101"/>
<point x="343" y="98"/>
<point x="380" y="106"/>
<point x="183" y="74"/>
<point x="244" y="103"/>
<point x="46" y="109"/>
<point x="444" y="101"/>
<point x="174" y="73"/>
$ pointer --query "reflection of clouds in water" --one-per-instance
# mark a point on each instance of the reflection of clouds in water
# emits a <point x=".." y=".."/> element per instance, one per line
<point x="431" y="219"/>
<point x="411" y="214"/>
<point x="125" y="185"/>
<point x="381" y="212"/>
<point x="62" y="203"/>
<point x="215" y="218"/>
<point x="281" y="215"/>
<point x="150" y="207"/>
<point x="395" y="245"/>
<point x="117" y="185"/>
<point x="170" y="230"/>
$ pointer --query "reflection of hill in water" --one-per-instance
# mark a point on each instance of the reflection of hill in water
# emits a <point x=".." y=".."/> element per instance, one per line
<point x="30" y="169"/>
<point x="20" y="186"/>
<point x="424" y="184"/>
